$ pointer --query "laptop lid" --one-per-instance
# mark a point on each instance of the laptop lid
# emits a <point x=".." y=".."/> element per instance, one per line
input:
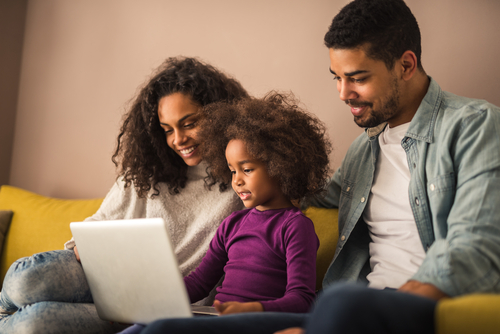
<point x="131" y="270"/>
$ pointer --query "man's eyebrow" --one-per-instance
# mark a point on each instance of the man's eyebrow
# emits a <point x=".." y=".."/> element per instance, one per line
<point x="349" y="74"/>
<point x="181" y="120"/>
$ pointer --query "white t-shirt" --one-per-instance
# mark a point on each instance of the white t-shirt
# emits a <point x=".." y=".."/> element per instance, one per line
<point x="396" y="251"/>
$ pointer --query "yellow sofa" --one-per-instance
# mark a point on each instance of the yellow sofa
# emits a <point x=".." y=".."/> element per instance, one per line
<point x="38" y="224"/>
<point x="41" y="224"/>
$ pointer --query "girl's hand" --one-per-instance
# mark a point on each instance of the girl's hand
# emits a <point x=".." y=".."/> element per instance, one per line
<point x="237" y="307"/>
<point x="293" y="330"/>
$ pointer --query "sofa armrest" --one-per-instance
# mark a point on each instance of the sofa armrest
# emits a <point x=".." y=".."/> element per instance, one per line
<point x="476" y="313"/>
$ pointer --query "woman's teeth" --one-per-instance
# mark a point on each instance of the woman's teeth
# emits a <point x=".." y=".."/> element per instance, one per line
<point x="187" y="150"/>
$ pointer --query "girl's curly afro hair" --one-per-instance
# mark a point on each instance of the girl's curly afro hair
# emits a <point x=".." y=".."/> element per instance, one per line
<point x="290" y="141"/>
<point x="142" y="155"/>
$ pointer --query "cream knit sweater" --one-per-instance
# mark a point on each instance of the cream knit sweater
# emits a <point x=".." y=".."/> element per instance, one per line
<point x="192" y="216"/>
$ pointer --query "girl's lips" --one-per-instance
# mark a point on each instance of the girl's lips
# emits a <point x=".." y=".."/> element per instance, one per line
<point x="244" y="195"/>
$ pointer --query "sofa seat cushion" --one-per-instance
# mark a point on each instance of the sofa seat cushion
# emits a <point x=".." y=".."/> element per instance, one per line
<point x="39" y="223"/>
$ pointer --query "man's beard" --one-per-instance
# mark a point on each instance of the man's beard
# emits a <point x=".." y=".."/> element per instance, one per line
<point x="377" y="117"/>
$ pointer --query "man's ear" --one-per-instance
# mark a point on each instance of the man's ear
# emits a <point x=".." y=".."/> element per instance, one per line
<point x="409" y="65"/>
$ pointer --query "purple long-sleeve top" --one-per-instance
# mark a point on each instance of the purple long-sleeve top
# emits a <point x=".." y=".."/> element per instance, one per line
<point x="266" y="256"/>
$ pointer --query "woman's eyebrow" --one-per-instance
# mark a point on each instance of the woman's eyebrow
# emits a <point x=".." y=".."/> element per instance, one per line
<point x="180" y="120"/>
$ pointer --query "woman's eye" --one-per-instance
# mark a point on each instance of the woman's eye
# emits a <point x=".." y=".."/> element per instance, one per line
<point x="190" y="125"/>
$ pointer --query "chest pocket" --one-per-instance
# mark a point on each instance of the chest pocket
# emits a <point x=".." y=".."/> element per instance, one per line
<point x="440" y="200"/>
<point x="347" y="188"/>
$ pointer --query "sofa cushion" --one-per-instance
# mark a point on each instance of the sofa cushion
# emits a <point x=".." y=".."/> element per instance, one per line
<point x="476" y="313"/>
<point x="39" y="223"/>
<point x="326" y="226"/>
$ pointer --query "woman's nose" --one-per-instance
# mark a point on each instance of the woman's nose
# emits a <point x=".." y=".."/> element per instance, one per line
<point x="179" y="137"/>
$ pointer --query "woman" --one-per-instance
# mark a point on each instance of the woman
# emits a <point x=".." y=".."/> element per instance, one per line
<point x="160" y="175"/>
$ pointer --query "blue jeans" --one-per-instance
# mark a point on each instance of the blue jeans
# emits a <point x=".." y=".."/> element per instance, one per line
<point x="48" y="293"/>
<point x="342" y="308"/>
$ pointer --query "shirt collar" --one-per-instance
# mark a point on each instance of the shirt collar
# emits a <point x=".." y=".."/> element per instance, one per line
<point x="422" y="124"/>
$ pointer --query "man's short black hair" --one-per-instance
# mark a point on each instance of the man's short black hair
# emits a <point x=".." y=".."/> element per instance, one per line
<point x="388" y="27"/>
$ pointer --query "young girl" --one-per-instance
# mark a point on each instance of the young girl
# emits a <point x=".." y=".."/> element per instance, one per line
<point x="272" y="153"/>
<point x="161" y="174"/>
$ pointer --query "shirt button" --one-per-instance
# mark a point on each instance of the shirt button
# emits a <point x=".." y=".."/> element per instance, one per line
<point x="342" y="238"/>
<point x="362" y="199"/>
<point x="433" y="187"/>
<point x="417" y="201"/>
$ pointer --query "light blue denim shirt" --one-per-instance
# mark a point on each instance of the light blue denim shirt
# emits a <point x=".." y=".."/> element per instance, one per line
<point x="453" y="151"/>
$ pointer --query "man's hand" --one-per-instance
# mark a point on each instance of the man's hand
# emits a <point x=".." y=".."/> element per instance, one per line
<point x="293" y="330"/>
<point x="76" y="254"/>
<point x="237" y="307"/>
<point x="422" y="289"/>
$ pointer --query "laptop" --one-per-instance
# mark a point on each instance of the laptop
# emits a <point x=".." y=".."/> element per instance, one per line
<point x="132" y="271"/>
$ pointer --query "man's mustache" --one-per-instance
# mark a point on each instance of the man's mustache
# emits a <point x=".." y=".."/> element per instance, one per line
<point x="356" y="104"/>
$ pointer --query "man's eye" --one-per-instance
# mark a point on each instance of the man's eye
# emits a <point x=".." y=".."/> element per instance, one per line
<point x="336" y="77"/>
<point x="359" y="80"/>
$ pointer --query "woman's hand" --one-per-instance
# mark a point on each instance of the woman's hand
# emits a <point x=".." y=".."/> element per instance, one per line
<point x="237" y="307"/>
<point x="76" y="254"/>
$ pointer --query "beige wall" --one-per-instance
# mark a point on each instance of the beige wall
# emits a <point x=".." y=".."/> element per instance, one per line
<point x="84" y="59"/>
<point x="12" y="21"/>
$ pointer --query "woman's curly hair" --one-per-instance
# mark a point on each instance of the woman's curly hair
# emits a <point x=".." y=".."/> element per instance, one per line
<point x="142" y="155"/>
<point x="289" y="140"/>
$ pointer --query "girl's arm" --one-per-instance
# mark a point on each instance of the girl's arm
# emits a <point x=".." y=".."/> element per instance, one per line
<point x="202" y="280"/>
<point x="301" y="245"/>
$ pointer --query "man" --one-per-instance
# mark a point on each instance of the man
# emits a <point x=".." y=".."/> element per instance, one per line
<point x="417" y="193"/>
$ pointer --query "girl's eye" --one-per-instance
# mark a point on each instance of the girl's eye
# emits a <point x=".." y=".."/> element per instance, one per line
<point x="167" y="132"/>
<point x="246" y="171"/>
